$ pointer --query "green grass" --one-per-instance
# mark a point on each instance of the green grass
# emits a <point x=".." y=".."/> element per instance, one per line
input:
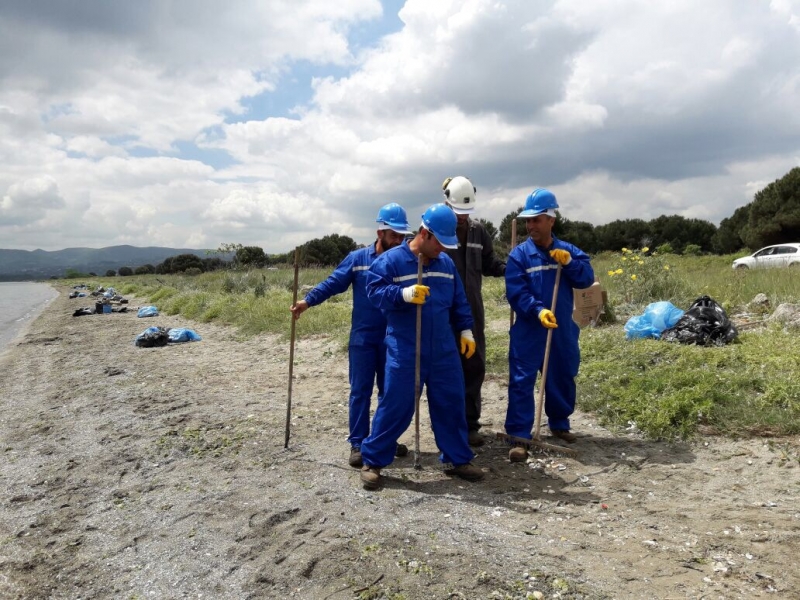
<point x="665" y="390"/>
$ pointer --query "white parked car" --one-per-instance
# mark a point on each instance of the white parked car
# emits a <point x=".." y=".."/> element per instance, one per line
<point x="779" y="255"/>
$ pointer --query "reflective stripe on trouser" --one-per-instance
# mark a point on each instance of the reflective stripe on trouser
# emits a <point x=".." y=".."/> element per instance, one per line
<point x="444" y="386"/>
<point x="367" y="364"/>
<point x="559" y="393"/>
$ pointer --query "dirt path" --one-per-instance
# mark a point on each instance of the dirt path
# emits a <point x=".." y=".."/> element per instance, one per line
<point x="160" y="473"/>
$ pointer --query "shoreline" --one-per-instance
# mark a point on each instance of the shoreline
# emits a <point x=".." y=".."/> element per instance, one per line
<point x="20" y="326"/>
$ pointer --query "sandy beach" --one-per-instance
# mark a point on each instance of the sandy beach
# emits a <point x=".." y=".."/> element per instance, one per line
<point x="161" y="473"/>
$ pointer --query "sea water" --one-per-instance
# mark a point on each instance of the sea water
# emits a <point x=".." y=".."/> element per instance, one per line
<point x="20" y="303"/>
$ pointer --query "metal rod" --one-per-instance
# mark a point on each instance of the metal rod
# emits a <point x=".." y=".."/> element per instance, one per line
<point x="417" y="375"/>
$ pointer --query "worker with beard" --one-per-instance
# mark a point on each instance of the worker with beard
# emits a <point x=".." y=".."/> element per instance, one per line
<point x="366" y="351"/>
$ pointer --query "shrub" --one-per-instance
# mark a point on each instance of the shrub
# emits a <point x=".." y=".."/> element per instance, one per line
<point x="665" y="249"/>
<point x="692" y="250"/>
<point x="640" y="278"/>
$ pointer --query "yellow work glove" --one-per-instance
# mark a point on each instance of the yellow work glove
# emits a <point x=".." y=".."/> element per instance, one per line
<point x="547" y="318"/>
<point x="562" y="257"/>
<point x="416" y="294"/>
<point x="467" y="343"/>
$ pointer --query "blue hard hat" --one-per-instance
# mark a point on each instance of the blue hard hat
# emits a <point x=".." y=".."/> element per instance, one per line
<point x="539" y="201"/>
<point x="441" y="221"/>
<point x="393" y="217"/>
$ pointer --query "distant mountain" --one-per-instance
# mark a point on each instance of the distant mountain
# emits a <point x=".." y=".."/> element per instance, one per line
<point x="17" y="265"/>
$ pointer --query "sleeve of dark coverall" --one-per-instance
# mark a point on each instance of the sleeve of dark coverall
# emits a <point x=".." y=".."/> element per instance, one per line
<point x="460" y="312"/>
<point x="518" y="291"/>
<point x="578" y="273"/>
<point x="491" y="266"/>
<point x="336" y="283"/>
<point x="382" y="292"/>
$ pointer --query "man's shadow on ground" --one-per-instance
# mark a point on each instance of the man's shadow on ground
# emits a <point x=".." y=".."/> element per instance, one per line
<point x="547" y="475"/>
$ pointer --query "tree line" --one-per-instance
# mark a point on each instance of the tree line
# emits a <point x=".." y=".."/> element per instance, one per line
<point x="773" y="217"/>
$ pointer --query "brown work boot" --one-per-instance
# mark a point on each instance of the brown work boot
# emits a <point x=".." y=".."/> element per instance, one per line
<point x="564" y="434"/>
<point x="371" y="477"/>
<point x="355" y="457"/>
<point x="519" y="453"/>
<point x="468" y="471"/>
<point x="475" y="438"/>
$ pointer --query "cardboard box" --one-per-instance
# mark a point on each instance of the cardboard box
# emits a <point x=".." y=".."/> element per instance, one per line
<point x="588" y="304"/>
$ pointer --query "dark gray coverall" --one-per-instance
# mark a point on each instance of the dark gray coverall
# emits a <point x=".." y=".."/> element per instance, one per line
<point x="475" y="258"/>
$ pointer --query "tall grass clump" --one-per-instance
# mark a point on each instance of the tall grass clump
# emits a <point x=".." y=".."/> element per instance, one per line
<point x="669" y="391"/>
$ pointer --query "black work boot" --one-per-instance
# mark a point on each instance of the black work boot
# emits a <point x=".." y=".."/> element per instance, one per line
<point x="401" y="450"/>
<point x="475" y="438"/>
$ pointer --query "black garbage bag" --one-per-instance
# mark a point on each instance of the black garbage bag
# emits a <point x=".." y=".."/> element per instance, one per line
<point x="152" y="337"/>
<point x="704" y="324"/>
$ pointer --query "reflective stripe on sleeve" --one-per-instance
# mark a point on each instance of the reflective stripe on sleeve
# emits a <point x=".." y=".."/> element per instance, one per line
<point x="424" y="275"/>
<point x="540" y="268"/>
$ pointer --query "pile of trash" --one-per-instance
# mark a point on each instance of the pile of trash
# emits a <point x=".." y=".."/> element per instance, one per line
<point x="161" y="336"/>
<point x="106" y="301"/>
<point x="705" y="323"/>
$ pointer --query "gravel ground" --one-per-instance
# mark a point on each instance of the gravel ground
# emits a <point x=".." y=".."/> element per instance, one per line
<point x="161" y="473"/>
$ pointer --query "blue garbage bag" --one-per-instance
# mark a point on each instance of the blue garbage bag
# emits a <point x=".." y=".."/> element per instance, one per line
<point x="657" y="317"/>
<point x="147" y="311"/>
<point x="179" y="334"/>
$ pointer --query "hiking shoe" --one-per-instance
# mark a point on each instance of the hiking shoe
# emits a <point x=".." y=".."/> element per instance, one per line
<point x="519" y="453"/>
<point x="564" y="434"/>
<point x="467" y="471"/>
<point x="475" y="438"/>
<point x="355" y="457"/>
<point x="401" y="450"/>
<point x="371" y="477"/>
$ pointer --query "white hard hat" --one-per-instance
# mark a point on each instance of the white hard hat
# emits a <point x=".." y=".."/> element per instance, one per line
<point x="459" y="194"/>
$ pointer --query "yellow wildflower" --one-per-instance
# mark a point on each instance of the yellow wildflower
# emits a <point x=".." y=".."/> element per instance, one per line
<point x="666" y="267"/>
<point x="645" y="249"/>
<point x="618" y="271"/>
<point x="611" y="273"/>
<point x="633" y="277"/>
<point x="641" y="262"/>
<point x="625" y="250"/>
<point x="624" y="258"/>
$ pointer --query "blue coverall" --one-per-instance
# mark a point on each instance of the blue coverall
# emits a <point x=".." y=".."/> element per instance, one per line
<point x="367" y="331"/>
<point x="530" y="278"/>
<point x="446" y="310"/>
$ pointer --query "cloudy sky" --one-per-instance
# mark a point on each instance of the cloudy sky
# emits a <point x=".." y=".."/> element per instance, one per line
<point x="192" y="123"/>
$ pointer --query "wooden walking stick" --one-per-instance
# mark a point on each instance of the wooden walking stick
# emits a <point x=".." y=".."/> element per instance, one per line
<point x="291" y="349"/>
<point x="537" y="442"/>
<point x="537" y="423"/>
<point x="417" y="375"/>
